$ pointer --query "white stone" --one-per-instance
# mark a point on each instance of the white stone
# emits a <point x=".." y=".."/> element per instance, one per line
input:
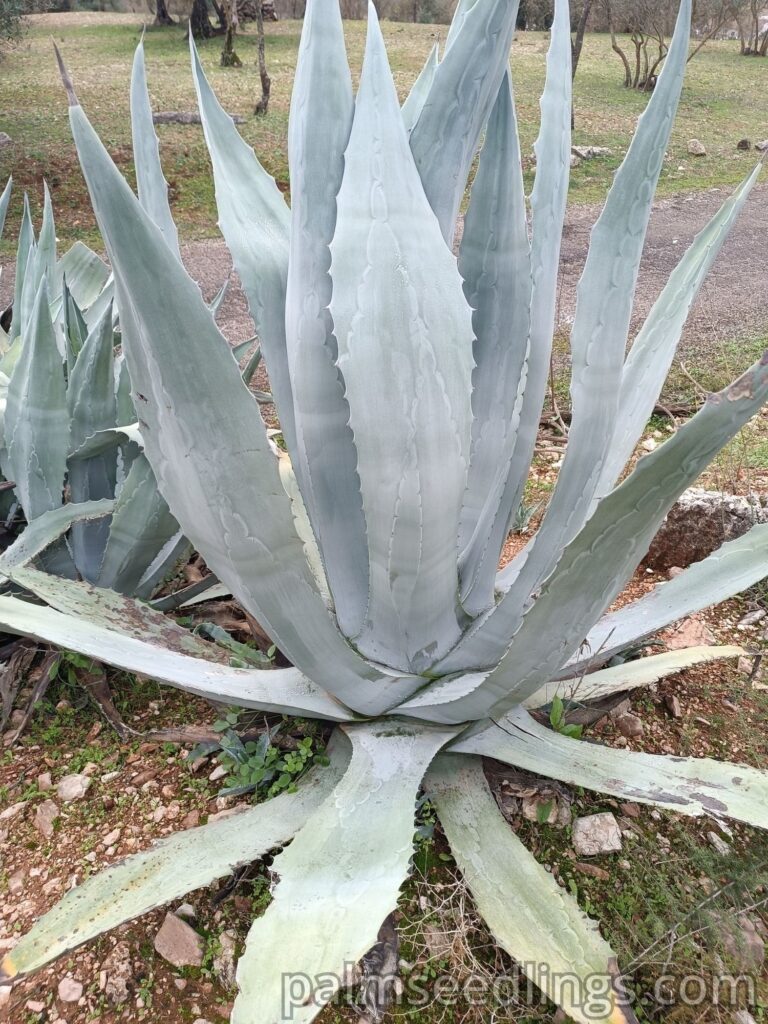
<point x="46" y="814"/>
<point x="596" y="833"/>
<point x="178" y="943"/>
<point x="70" y="990"/>
<point x="73" y="787"/>
<point x="12" y="811"/>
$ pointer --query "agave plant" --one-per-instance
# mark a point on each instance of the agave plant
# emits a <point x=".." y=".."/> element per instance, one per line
<point x="68" y="420"/>
<point x="409" y="390"/>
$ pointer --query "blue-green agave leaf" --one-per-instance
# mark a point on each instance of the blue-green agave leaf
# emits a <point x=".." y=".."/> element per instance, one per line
<point x="405" y="350"/>
<point x="688" y="785"/>
<point x="360" y="842"/>
<point x="495" y="263"/>
<point x="548" y="203"/>
<point x="601" y="323"/>
<point x="531" y="916"/>
<point x="152" y="186"/>
<point x="325" y="461"/>
<point x="445" y="138"/>
<point x="5" y="199"/>
<point x="92" y="408"/>
<point x="255" y="221"/>
<point x="36" y="418"/>
<point x="414" y="102"/>
<point x="141" y="526"/>
<point x="653" y="350"/>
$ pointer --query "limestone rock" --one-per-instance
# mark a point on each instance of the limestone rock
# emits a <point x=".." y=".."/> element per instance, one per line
<point x="12" y="811"/>
<point x="596" y="833"/>
<point x="178" y="943"/>
<point x="118" y="974"/>
<point x="73" y="787"/>
<point x="589" y="152"/>
<point x="629" y="726"/>
<point x="691" y="632"/>
<point x="673" y="705"/>
<point x="225" y="962"/>
<point x="70" y="990"/>
<point x="699" y="522"/>
<point x="696" y="148"/>
<point x="46" y="814"/>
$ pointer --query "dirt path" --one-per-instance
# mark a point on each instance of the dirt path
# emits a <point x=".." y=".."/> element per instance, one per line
<point x="733" y="302"/>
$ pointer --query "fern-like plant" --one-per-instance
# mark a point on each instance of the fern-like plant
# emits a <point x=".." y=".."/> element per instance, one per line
<point x="409" y="390"/>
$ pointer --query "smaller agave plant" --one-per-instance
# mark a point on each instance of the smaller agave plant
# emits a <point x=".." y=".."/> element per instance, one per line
<point x="409" y="390"/>
<point x="69" y="441"/>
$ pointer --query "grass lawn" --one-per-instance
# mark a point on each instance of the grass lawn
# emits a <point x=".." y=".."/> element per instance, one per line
<point x="721" y="104"/>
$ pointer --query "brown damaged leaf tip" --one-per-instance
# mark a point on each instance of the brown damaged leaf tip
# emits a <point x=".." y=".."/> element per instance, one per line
<point x="65" y="78"/>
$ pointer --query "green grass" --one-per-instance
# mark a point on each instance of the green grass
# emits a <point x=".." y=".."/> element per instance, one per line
<point x="718" y="107"/>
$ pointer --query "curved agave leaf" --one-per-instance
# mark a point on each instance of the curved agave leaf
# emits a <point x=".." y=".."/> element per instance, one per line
<point x="601" y="322"/>
<point x="495" y="263"/>
<point x="631" y="674"/>
<point x="733" y="568"/>
<point x="5" y="199"/>
<point x="325" y="461"/>
<point x="414" y="102"/>
<point x="113" y="612"/>
<point x="405" y="350"/>
<point x="457" y="21"/>
<point x="172" y="557"/>
<point x="532" y="918"/>
<point x="45" y="257"/>
<point x="598" y="563"/>
<point x="91" y="631"/>
<point x="170" y="869"/>
<point x="24" y="255"/>
<point x="92" y="407"/>
<point x="255" y="223"/>
<point x="548" y="202"/>
<point x="47" y="528"/>
<point x="74" y="326"/>
<point x="688" y="785"/>
<point x="152" y="186"/>
<point x="227" y="499"/>
<point x="141" y="526"/>
<point x="650" y="357"/>
<point x="85" y="273"/>
<point x="36" y="421"/>
<point x="303" y="526"/>
<point x="105" y="440"/>
<point x="444" y="140"/>
<point x="356" y="848"/>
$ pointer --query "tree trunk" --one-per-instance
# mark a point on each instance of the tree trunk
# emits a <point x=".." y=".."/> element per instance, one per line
<point x="162" y="17"/>
<point x="266" y="84"/>
<point x="229" y="59"/>
<point x="576" y="46"/>
<point x="578" y="41"/>
<point x="199" y="20"/>
<point x="220" y="15"/>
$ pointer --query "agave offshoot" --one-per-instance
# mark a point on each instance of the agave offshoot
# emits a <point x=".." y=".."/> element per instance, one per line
<point x="68" y="438"/>
<point x="409" y="389"/>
